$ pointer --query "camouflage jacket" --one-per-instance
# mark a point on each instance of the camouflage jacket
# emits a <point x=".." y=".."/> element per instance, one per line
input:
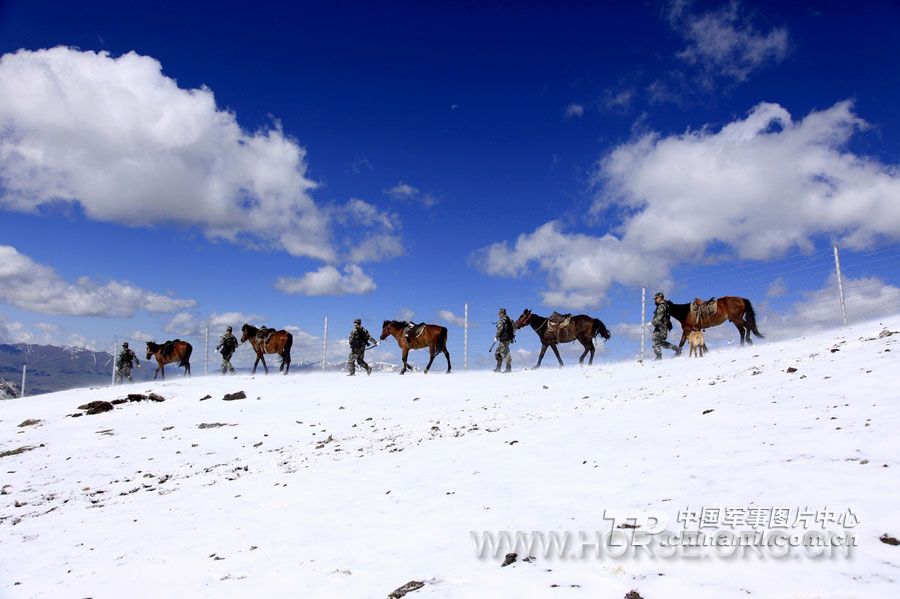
<point x="228" y="343"/>
<point x="359" y="338"/>
<point x="506" y="330"/>
<point x="661" y="317"/>
<point x="126" y="358"/>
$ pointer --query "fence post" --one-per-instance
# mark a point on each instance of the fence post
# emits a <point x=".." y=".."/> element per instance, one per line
<point x="207" y="349"/>
<point x="325" y="347"/>
<point x="466" y="338"/>
<point x="24" y="370"/>
<point x="840" y="282"/>
<point x="643" y="320"/>
<point x="115" y="352"/>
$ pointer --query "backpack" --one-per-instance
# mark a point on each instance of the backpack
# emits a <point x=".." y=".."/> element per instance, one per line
<point x="509" y="330"/>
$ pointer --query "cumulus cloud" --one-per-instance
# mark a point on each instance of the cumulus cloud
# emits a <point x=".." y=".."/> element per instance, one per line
<point x="574" y="111"/>
<point x="188" y="324"/>
<point x="448" y="316"/>
<point x="406" y="192"/>
<point x="723" y="42"/>
<point x="405" y="314"/>
<point x="755" y="189"/>
<point x="619" y="101"/>
<point x="29" y="285"/>
<point x="124" y="142"/>
<point x="328" y="280"/>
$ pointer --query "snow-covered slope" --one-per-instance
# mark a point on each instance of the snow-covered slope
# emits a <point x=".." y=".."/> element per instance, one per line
<point x="320" y="485"/>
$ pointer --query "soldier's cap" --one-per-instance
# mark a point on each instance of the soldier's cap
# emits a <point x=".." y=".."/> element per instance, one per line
<point x="228" y="329"/>
<point x="357" y="321"/>
<point x="658" y="294"/>
<point x="502" y="310"/>
<point x="125" y="344"/>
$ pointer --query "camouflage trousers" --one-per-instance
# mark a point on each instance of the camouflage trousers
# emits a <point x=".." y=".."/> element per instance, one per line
<point x="659" y="341"/>
<point x="502" y="353"/>
<point x="122" y="373"/>
<point x="357" y="356"/>
<point x="226" y="363"/>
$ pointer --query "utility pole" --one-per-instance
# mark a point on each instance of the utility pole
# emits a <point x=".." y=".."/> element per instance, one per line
<point x="24" y="370"/>
<point x="466" y="338"/>
<point x="325" y="347"/>
<point x="840" y="281"/>
<point x="207" y="349"/>
<point x="643" y="320"/>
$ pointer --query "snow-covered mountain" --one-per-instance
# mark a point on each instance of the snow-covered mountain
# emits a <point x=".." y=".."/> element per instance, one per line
<point x="320" y="485"/>
<point x="8" y="390"/>
<point x="52" y="368"/>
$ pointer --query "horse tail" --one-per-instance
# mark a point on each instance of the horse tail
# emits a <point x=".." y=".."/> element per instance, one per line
<point x="750" y="318"/>
<point x="186" y="356"/>
<point x="442" y="340"/>
<point x="288" y="344"/>
<point x="600" y="329"/>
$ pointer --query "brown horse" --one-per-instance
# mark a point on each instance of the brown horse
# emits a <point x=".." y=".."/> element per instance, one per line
<point x="279" y="342"/>
<point x="170" y="351"/>
<point x="738" y="310"/>
<point x="433" y="336"/>
<point x="582" y="327"/>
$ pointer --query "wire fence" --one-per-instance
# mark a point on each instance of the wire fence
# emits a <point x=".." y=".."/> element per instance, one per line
<point x="847" y="293"/>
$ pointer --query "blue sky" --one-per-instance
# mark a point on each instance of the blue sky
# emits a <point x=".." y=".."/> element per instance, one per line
<point x="345" y="159"/>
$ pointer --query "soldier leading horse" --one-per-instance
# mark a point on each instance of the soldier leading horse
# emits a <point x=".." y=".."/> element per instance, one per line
<point x="170" y="351"/>
<point x="432" y="336"/>
<point x="738" y="310"/>
<point x="278" y="342"/>
<point x="582" y="327"/>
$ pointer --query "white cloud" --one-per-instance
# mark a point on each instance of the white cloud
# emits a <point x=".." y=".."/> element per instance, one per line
<point x="124" y="142"/>
<point x="619" y="101"/>
<point x="759" y="187"/>
<point x="376" y="248"/>
<point x="574" y="111"/>
<point x="405" y="314"/>
<point x="27" y="284"/>
<point x="406" y="192"/>
<point x="777" y="288"/>
<point x="723" y="43"/>
<point x="448" y="316"/>
<point x="189" y="324"/>
<point x="328" y="280"/>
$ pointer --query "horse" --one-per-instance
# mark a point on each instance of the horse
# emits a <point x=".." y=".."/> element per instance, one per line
<point x="179" y="351"/>
<point x="582" y="327"/>
<point x="738" y="310"/>
<point x="279" y="342"/>
<point x="433" y="336"/>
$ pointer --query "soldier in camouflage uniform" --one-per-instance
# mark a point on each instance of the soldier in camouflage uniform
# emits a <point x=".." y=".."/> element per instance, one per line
<point x="359" y="341"/>
<point x="662" y="324"/>
<point x="506" y="334"/>
<point x="125" y="362"/>
<point x="227" y="346"/>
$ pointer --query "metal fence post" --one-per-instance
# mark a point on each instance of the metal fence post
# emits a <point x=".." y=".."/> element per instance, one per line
<point x="840" y="282"/>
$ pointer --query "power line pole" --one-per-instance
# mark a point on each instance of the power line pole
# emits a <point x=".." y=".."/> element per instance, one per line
<point x="840" y="281"/>
<point x="466" y="338"/>
<point x="643" y="320"/>
<point x="325" y="347"/>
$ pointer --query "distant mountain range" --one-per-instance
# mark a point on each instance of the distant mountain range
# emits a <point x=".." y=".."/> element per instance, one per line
<point x="52" y="368"/>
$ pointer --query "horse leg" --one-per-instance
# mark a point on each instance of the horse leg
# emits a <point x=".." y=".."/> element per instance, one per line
<point x="265" y="367"/>
<point x="541" y="356"/>
<point x="403" y="358"/>
<point x="162" y="371"/>
<point x="432" y="354"/>
<point x="683" y="337"/>
<point x="593" y="349"/>
<point x="447" y="355"/>
<point x="587" y="348"/>
<point x="255" y="364"/>
<point x="556" y="351"/>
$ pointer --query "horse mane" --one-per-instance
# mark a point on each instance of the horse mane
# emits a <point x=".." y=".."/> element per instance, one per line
<point x="153" y="345"/>
<point x="249" y="327"/>
<point x="400" y="323"/>
<point x="679" y="311"/>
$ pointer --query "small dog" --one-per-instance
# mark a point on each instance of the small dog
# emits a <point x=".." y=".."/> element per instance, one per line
<point x="698" y="345"/>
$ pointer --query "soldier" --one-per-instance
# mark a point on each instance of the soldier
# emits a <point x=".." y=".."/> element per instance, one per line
<point x="359" y="341"/>
<point x="227" y="346"/>
<point x="662" y="324"/>
<point x="506" y="334"/>
<point x="124" y="364"/>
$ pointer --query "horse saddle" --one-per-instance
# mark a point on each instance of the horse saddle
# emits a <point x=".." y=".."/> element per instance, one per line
<point x="416" y="330"/>
<point x="557" y="322"/>
<point x="169" y="347"/>
<point x="264" y="334"/>
<point x="704" y="310"/>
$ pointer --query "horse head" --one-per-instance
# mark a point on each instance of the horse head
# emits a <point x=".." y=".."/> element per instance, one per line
<point x="524" y="319"/>
<point x="151" y="349"/>
<point x="245" y="332"/>
<point x="385" y="330"/>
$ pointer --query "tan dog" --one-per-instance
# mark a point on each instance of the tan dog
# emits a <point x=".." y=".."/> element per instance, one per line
<point x="698" y="345"/>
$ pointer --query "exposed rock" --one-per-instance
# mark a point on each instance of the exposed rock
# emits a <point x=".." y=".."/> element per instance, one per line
<point x="118" y="402"/>
<point x="510" y="559"/>
<point x="791" y="370"/>
<point x="409" y="587"/>
<point x="205" y="397"/>
<point x="204" y="425"/>
<point x="708" y="411"/>
<point x="886" y="333"/>
<point x="30" y="422"/>
<point x="888" y="540"/>
<point x="155" y="397"/>
<point x="136" y="397"/>
<point x="96" y="407"/>
<point x="234" y="396"/>
<point x="633" y="595"/>
<point x="9" y="452"/>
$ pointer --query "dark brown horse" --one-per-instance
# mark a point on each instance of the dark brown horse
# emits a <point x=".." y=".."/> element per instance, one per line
<point x="738" y="310"/>
<point x="581" y="327"/>
<point x="433" y="336"/>
<point x="279" y="342"/>
<point x="170" y="351"/>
